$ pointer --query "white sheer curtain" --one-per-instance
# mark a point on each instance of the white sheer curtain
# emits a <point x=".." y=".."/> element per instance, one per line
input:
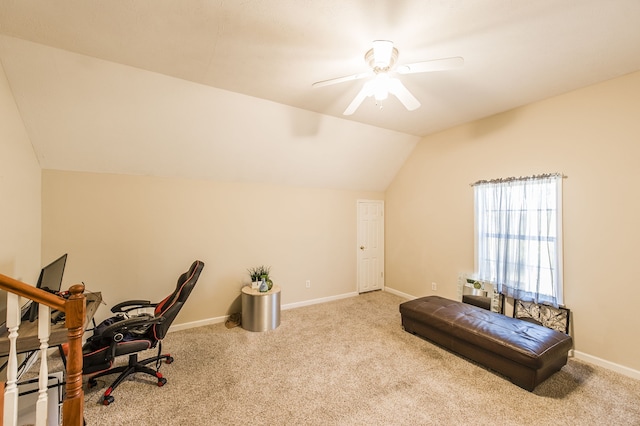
<point x="519" y="236"/>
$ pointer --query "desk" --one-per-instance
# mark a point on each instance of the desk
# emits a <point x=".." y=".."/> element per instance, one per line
<point x="260" y="310"/>
<point x="28" y="332"/>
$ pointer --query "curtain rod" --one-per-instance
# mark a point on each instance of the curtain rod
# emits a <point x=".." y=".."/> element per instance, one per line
<point x="514" y="179"/>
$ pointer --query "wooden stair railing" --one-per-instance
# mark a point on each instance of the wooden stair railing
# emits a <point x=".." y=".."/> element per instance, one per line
<point x="75" y="311"/>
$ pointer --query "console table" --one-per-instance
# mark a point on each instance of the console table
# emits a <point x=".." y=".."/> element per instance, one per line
<point x="260" y="310"/>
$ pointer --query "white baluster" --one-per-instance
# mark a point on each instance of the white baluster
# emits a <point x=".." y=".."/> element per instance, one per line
<point x="10" y="415"/>
<point x="44" y="330"/>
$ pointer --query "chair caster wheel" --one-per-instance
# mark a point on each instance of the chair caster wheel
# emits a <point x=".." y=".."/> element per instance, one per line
<point x="169" y="360"/>
<point x="161" y="382"/>
<point x="107" y="400"/>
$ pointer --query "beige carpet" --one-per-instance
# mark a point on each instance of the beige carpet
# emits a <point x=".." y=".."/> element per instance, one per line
<point x="349" y="362"/>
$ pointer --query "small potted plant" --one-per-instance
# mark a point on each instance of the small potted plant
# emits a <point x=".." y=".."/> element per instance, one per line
<point x="258" y="275"/>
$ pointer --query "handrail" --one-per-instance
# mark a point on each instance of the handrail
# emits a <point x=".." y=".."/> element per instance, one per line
<point x="75" y="310"/>
<point x="32" y="293"/>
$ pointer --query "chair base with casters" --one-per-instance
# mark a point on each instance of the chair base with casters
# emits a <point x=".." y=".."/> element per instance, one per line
<point x="134" y="366"/>
<point x="128" y="334"/>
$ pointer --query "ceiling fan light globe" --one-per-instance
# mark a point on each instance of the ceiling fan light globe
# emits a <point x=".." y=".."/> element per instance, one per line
<point x="381" y="86"/>
<point x="381" y="95"/>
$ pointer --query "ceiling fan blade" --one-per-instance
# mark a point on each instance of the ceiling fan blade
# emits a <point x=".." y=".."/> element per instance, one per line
<point x="433" y="65"/>
<point x="402" y="93"/>
<point x="340" y="79"/>
<point x="365" y="92"/>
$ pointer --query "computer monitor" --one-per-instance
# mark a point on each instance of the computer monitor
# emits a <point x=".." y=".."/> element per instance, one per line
<point x="50" y="279"/>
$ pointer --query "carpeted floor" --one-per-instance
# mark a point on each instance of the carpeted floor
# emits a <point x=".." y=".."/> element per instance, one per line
<point x="349" y="362"/>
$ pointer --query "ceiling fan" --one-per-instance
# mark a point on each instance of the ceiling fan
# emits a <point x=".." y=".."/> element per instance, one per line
<point x="382" y="58"/>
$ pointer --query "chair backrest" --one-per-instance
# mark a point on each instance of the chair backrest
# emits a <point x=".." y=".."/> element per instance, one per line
<point x="171" y="305"/>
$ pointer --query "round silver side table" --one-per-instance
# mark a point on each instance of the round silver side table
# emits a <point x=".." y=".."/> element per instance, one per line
<point x="260" y="311"/>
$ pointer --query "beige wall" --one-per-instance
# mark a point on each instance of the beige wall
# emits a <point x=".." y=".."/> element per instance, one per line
<point x="19" y="194"/>
<point x="131" y="236"/>
<point x="592" y="136"/>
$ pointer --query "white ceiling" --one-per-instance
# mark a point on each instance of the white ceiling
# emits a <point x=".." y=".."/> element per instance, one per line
<point x="122" y="78"/>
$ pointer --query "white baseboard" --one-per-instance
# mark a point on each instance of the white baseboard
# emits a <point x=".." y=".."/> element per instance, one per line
<point x="316" y="301"/>
<point x="200" y="323"/>
<point x="625" y="371"/>
<point x="399" y="293"/>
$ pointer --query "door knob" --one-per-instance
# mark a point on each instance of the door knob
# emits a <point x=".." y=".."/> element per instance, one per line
<point x="361" y="247"/>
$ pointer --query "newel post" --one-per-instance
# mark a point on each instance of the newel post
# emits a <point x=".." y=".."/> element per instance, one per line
<point x="75" y="313"/>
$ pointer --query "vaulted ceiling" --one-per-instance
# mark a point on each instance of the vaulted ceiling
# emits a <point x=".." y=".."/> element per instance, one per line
<point x="222" y="89"/>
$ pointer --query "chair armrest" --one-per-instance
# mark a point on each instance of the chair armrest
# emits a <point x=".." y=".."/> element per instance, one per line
<point x="137" y="325"/>
<point x="131" y="305"/>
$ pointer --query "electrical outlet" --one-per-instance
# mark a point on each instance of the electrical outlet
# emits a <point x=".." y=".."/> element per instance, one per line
<point x="434" y="286"/>
<point x="308" y="284"/>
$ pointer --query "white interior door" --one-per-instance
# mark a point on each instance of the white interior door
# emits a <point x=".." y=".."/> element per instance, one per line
<point x="370" y="245"/>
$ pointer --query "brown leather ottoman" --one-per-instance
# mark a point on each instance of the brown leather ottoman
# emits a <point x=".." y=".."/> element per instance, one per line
<point x="524" y="352"/>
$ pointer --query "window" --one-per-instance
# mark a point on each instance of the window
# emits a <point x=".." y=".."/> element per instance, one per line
<point x="518" y="226"/>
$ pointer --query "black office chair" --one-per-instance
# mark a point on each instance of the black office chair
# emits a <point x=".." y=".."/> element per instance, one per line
<point x="126" y="334"/>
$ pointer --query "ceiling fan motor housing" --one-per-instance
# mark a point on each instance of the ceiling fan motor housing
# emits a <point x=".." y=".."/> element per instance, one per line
<point x="370" y="59"/>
